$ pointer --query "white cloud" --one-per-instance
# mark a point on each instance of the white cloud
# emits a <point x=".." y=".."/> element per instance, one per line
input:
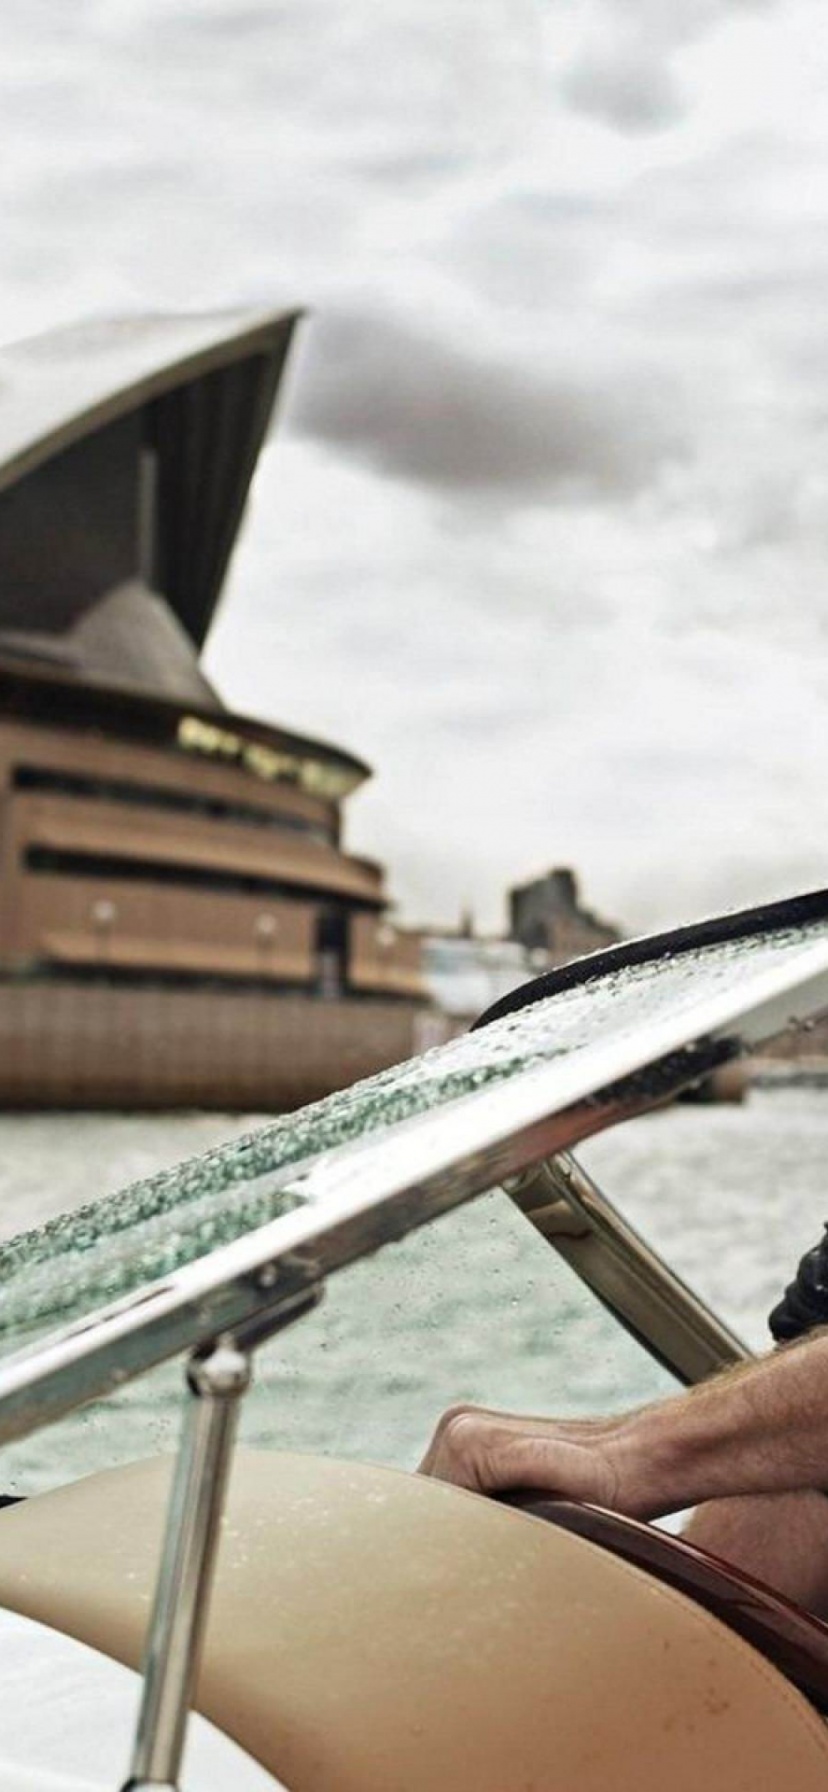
<point x="551" y="548"/>
<point x="588" y="687"/>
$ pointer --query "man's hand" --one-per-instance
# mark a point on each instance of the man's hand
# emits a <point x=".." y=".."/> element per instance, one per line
<point x="759" y="1428"/>
<point x="490" y="1452"/>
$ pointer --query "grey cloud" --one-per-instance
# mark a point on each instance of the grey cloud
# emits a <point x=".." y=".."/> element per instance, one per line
<point x="534" y="248"/>
<point x="438" y="416"/>
<point x="625" y="75"/>
<point x="624" y="87"/>
<point x="398" y="170"/>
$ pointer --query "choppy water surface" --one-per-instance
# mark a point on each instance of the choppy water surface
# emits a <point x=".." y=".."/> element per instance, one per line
<point x="80" y="1260"/>
<point x="477" y="1307"/>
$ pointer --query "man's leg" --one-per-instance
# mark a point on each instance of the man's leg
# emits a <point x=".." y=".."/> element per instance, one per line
<point x="782" y="1538"/>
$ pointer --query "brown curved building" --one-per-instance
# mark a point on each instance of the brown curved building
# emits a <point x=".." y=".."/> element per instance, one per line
<point x="179" y="922"/>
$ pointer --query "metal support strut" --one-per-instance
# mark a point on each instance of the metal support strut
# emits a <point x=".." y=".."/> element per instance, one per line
<point x="216" y="1384"/>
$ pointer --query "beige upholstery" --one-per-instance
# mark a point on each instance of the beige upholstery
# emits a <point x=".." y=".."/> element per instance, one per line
<point x="373" y="1632"/>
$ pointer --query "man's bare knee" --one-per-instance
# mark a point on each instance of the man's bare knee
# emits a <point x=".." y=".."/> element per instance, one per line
<point x="780" y="1538"/>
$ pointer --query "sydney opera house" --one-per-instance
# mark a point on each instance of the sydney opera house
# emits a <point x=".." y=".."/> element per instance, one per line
<point x="179" y="920"/>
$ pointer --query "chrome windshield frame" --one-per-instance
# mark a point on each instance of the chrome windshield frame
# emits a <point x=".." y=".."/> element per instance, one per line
<point x="367" y="1194"/>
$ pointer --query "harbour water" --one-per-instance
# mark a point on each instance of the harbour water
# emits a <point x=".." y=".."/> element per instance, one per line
<point x="477" y="1307"/>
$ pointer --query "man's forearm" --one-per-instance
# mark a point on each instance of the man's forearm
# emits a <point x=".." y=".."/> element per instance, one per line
<point x="758" y="1429"/>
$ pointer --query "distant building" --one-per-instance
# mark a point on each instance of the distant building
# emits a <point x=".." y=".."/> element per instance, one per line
<point x="466" y="974"/>
<point x="547" y="916"/>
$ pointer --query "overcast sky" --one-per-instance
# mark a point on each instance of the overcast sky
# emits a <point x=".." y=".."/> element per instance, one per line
<point x="544" y="531"/>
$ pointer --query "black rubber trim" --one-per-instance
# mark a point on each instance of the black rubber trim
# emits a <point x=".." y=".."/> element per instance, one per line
<point x="794" y="911"/>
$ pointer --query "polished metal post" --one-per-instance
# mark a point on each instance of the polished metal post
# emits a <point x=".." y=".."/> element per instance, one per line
<point x="573" y="1214"/>
<point x="216" y="1384"/>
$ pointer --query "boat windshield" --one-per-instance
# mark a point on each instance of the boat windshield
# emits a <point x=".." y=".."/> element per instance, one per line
<point x="111" y="1247"/>
<point x="474" y="1308"/>
<point x="586" y="1054"/>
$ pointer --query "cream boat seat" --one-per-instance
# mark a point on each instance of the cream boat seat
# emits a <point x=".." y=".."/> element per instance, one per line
<point x="374" y="1632"/>
<point x="67" y="1718"/>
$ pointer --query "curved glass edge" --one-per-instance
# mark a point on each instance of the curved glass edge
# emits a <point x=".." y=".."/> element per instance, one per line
<point x="357" y="1198"/>
<point x="87" y="1258"/>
